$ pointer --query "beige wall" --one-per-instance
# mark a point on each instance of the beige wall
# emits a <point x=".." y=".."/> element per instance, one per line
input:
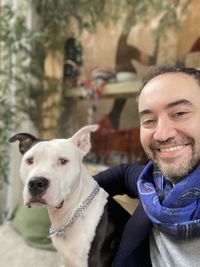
<point x="190" y="29"/>
<point x="100" y="50"/>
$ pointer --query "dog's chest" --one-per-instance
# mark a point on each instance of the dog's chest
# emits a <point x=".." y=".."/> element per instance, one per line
<point x="76" y="245"/>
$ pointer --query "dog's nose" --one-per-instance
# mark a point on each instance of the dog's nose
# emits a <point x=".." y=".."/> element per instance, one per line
<point x="37" y="186"/>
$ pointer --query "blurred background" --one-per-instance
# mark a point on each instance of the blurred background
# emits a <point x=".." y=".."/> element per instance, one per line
<point x="65" y="64"/>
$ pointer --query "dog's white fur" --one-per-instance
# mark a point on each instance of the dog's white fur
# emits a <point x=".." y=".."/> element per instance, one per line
<point x="70" y="182"/>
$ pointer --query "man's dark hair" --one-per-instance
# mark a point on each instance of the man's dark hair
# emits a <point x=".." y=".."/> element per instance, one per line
<point x="195" y="73"/>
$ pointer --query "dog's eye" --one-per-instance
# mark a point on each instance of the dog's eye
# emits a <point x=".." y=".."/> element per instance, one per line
<point x="63" y="161"/>
<point x="29" y="161"/>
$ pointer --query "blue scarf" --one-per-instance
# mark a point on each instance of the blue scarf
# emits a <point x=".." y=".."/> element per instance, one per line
<point x="175" y="210"/>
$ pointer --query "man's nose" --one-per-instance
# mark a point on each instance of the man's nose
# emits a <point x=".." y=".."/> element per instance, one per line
<point x="164" y="130"/>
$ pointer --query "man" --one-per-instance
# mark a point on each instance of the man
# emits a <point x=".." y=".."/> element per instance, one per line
<point x="165" y="228"/>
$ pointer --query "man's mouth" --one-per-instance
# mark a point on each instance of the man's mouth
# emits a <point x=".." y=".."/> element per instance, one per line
<point x="171" y="146"/>
<point x="171" y="149"/>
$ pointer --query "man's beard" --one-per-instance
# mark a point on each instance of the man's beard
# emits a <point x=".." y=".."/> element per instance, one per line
<point x="176" y="170"/>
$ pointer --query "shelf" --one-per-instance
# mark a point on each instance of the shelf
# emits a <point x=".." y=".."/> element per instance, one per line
<point x="125" y="89"/>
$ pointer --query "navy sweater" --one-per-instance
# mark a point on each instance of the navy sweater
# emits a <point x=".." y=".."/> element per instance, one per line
<point x="134" y="246"/>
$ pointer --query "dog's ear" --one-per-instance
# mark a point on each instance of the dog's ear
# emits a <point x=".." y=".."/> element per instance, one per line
<point x="82" y="138"/>
<point x="26" y="141"/>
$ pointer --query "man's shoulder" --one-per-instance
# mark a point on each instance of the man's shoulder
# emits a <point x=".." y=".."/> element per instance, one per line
<point x="133" y="168"/>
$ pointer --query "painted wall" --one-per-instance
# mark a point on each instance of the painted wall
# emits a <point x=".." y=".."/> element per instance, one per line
<point x="99" y="50"/>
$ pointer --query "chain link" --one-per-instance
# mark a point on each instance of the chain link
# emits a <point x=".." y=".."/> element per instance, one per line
<point x="78" y="212"/>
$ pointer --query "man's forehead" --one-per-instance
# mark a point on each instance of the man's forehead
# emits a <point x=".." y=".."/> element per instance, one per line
<point x="172" y="77"/>
<point x="172" y="82"/>
<point x="168" y="90"/>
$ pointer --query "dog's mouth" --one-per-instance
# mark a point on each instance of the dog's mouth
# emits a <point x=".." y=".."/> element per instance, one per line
<point x="60" y="205"/>
<point x="42" y="202"/>
<point x="36" y="201"/>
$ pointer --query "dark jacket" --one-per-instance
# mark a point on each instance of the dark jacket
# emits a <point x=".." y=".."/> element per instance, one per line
<point x="134" y="246"/>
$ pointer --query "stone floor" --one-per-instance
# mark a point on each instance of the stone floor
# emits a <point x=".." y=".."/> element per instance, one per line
<point x="14" y="252"/>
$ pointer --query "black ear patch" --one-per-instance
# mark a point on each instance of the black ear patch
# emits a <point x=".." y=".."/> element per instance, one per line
<point x="26" y="141"/>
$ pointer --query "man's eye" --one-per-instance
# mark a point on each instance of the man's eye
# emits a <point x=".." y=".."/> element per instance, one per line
<point x="29" y="161"/>
<point x="62" y="161"/>
<point x="148" y="122"/>
<point x="180" y="114"/>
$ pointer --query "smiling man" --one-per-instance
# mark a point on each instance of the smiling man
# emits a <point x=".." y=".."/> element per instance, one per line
<point x="169" y="109"/>
<point x="165" y="228"/>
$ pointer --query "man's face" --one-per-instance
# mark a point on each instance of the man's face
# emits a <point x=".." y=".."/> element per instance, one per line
<point x="169" y="109"/>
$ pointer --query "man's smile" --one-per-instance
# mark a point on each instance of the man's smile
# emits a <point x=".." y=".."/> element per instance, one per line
<point x="171" y="149"/>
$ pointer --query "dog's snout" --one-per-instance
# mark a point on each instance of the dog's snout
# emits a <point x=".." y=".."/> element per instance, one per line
<point x="38" y="185"/>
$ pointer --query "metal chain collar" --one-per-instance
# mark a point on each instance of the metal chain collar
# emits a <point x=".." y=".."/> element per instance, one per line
<point x="78" y="212"/>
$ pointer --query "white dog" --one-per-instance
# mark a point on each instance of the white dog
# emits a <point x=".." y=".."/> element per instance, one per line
<point x="86" y="228"/>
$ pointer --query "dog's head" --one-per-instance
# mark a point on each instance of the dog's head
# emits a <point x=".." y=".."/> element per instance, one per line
<point x="51" y="169"/>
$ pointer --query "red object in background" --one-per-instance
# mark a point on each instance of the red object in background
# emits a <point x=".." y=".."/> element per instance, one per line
<point x="196" y="46"/>
<point x="124" y="142"/>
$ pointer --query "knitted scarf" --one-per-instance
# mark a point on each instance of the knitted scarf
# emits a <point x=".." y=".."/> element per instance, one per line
<point x="175" y="210"/>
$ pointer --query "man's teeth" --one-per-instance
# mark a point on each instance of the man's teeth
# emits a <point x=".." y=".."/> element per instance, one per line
<point x="171" y="149"/>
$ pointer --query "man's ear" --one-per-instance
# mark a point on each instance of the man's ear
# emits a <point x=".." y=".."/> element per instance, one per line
<point x="26" y="141"/>
<point x="82" y="138"/>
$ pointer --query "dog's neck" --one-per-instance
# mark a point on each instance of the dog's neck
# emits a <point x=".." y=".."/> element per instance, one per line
<point x="86" y="185"/>
<point x="74" y="240"/>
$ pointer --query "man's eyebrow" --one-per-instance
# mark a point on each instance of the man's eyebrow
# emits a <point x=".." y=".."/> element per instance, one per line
<point x="170" y="105"/>
<point x="145" y="112"/>
<point x="179" y="102"/>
